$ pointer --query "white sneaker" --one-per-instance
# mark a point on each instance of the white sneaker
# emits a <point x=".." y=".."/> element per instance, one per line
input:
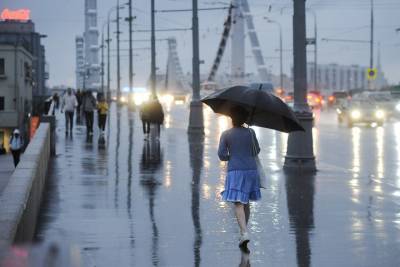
<point x="244" y="239"/>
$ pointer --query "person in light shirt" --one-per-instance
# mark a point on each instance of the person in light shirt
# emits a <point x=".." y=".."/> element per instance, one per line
<point x="68" y="105"/>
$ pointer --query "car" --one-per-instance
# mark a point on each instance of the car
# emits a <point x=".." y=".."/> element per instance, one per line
<point x="315" y="99"/>
<point x="359" y="111"/>
<point x="385" y="101"/>
<point x="337" y="99"/>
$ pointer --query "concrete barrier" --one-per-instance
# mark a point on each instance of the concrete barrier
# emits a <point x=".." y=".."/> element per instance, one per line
<point x="52" y="120"/>
<point x="21" y="198"/>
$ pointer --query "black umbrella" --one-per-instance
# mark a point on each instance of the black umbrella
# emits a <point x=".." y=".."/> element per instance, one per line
<point x="266" y="110"/>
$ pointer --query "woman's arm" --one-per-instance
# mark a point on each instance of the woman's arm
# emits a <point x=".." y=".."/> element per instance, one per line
<point x="223" y="152"/>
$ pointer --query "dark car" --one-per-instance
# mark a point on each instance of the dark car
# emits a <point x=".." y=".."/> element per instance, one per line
<point x="361" y="111"/>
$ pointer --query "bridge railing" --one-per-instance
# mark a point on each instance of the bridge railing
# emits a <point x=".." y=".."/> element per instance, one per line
<point x="21" y="198"/>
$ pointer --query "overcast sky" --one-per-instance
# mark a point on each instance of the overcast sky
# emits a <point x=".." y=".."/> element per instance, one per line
<point x="62" y="20"/>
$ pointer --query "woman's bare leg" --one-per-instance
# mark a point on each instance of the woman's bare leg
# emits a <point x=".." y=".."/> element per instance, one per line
<point x="240" y="216"/>
<point x="247" y="212"/>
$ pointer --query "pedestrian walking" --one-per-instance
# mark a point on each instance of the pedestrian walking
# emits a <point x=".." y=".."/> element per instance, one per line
<point x="69" y="104"/>
<point x="89" y="106"/>
<point x="144" y="116"/>
<point x="151" y="112"/>
<point x="156" y="114"/>
<point x="56" y="100"/>
<point x="102" y="109"/>
<point x="16" y="145"/>
<point x="239" y="146"/>
<point x="78" y="96"/>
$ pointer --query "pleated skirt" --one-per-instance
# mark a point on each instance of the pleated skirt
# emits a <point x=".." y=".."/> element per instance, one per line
<point x="241" y="186"/>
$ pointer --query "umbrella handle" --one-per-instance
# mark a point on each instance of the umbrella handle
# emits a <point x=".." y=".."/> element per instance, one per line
<point x="254" y="109"/>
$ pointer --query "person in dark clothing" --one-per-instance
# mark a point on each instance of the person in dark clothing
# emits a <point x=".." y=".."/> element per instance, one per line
<point x="56" y="100"/>
<point x="89" y="106"/>
<point x="79" y="97"/>
<point x="16" y="145"/>
<point x="152" y="113"/>
<point x="156" y="114"/>
<point x="144" y="116"/>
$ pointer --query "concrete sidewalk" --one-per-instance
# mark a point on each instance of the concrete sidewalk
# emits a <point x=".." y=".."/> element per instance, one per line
<point x="6" y="169"/>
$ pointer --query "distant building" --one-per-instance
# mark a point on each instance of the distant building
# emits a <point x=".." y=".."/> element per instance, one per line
<point x="23" y="32"/>
<point x="23" y="75"/>
<point x="335" y="77"/>
<point x="80" y="61"/>
<point x="16" y="80"/>
<point x="91" y="42"/>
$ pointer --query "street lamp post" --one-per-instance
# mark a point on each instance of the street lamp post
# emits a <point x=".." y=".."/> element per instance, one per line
<point x="280" y="50"/>
<point x="315" y="43"/>
<point x="130" y="19"/>
<point x="102" y="57"/>
<point x="196" y="121"/>
<point x="108" y="51"/>
<point x="371" y="58"/>
<point x="300" y="155"/>
<point x="153" y="50"/>
<point x="108" y="57"/>
<point x="118" y="58"/>
<point x="315" y="49"/>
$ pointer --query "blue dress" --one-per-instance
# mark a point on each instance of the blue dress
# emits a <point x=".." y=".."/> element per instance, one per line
<point x="242" y="182"/>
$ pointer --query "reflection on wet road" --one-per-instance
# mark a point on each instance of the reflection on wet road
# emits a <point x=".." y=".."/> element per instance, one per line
<point x="135" y="202"/>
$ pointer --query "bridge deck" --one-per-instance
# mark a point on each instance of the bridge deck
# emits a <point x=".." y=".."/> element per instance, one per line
<point x="144" y="203"/>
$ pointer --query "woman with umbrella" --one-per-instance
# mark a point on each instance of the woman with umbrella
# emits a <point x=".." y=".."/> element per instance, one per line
<point x="242" y="182"/>
<point x="239" y="145"/>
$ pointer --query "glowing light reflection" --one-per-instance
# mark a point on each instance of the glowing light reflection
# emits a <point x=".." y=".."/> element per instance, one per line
<point x="272" y="153"/>
<point x="223" y="124"/>
<point x="397" y="138"/>
<point x="380" y="138"/>
<point x="167" y="121"/>
<point x="284" y="139"/>
<point x="167" y="175"/>
<point x="206" y="191"/>
<point x="315" y="133"/>
<point x="356" y="133"/>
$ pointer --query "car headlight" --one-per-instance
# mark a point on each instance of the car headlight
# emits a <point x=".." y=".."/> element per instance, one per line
<point x="356" y="114"/>
<point x="141" y="98"/>
<point x="379" y="114"/>
<point x="398" y="107"/>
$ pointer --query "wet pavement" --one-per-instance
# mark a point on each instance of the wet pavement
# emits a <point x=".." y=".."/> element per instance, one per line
<point x="6" y="170"/>
<point x="146" y="203"/>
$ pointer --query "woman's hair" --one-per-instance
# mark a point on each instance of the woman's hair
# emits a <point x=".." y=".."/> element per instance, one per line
<point x="239" y="115"/>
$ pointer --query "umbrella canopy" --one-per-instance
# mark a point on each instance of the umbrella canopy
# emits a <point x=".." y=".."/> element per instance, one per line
<point x="266" y="110"/>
